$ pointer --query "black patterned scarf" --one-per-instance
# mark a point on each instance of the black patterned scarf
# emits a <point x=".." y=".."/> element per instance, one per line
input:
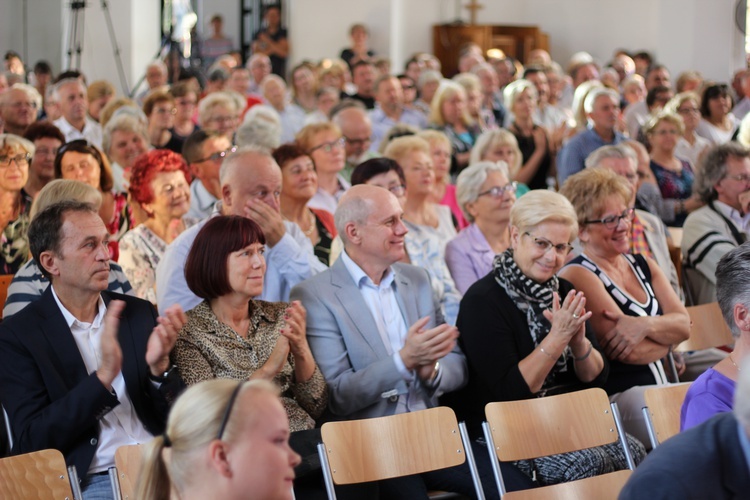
<point x="531" y="298"/>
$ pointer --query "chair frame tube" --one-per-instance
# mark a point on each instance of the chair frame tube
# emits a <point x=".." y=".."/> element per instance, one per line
<point x="622" y="436"/>
<point x="75" y="483"/>
<point x="650" y="427"/>
<point x="470" y="460"/>
<point x="499" y="483"/>
<point x="326" y="466"/>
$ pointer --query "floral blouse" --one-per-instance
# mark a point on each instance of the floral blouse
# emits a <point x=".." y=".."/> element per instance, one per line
<point x="14" y="242"/>
<point x="122" y="221"/>
<point x="207" y="348"/>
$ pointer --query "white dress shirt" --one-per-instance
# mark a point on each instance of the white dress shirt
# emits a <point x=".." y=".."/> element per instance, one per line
<point x="92" y="131"/>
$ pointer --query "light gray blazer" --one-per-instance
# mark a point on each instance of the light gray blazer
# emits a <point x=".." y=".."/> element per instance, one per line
<point x="363" y="379"/>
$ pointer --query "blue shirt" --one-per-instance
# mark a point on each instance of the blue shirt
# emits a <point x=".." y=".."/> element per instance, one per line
<point x="382" y="123"/>
<point x="572" y="157"/>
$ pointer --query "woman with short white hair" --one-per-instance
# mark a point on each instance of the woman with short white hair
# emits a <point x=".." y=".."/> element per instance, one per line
<point x="486" y="195"/>
<point x="218" y="112"/>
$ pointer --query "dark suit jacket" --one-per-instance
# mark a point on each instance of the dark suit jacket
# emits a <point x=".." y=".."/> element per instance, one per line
<point x="703" y="462"/>
<point x="50" y="399"/>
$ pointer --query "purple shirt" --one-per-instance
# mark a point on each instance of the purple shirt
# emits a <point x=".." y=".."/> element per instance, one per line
<point x="469" y="257"/>
<point x="711" y="393"/>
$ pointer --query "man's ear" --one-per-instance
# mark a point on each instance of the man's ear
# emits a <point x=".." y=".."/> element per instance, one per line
<point x="352" y="233"/>
<point x="48" y="261"/>
<point x="226" y="195"/>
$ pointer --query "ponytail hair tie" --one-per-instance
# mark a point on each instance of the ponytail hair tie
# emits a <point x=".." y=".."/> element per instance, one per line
<point x="167" y="442"/>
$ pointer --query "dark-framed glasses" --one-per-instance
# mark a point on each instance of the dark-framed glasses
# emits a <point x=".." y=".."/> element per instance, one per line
<point x="329" y="146"/>
<point x="613" y="221"/>
<point x="741" y="177"/>
<point x="499" y="191"/>
<point x="21" y="160"/>
<point x="218" y="156"/>
<point x="543" y="245"/>
<point x="358" y="142"/>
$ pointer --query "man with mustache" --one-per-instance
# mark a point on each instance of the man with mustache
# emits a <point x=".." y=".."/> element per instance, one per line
<point x="84" y="370"/>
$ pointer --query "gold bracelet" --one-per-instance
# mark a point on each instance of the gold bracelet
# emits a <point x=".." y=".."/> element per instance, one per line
<point x="588" y="353"/>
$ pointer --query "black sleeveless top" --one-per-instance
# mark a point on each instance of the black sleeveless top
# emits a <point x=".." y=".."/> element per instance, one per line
<point x="623" y="376"/>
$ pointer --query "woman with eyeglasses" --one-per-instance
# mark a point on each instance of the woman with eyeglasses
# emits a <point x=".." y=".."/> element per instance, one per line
<point x="324" y="143"/>
<point x="717" y="124"/>
<point x="525" y="334"/>
<point x="232" y="335"/>
<point x="690" y="146"/>
<point x="636" y="314"/>
<point x="299" y="182"/>
<point x="159" y="185"/>
<point x="160" y="110"/>
<point x="486" y="196"/>
<point x="15" y="204"/>
<point x="673" y="175"/>
<point x="223" y="440"/>
<point x="80" y="161"/>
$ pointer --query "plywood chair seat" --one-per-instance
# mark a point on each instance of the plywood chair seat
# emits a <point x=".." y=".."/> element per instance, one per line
<point x="662" y="411"/>
<point x="606" y="486"/>
<point x="707" y="328"/>
<point x="40" y="475"/>
<point x="128" y="461"/>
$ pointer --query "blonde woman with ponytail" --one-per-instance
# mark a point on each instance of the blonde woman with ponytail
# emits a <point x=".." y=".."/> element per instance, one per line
<point x="225" y="440"/>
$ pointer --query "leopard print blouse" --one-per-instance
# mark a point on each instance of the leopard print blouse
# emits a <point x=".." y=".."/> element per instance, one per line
<point x="207" y="348"/>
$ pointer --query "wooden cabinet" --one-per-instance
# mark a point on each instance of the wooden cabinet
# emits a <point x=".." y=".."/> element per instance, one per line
<point x="514" y="41"/>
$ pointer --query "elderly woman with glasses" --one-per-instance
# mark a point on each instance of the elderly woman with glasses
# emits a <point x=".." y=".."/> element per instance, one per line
<point x="324" y="143"/>
<point x="159" y="185"/>
<point x="15" y="155"/>
<point x="525" y="334"/>
<point x="486" y="196"/>
<point x="636" y="314"/>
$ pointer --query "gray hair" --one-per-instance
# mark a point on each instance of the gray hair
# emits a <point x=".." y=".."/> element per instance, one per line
<point x="261" y="127"/>
<point x="733" y="283"/>
<point x="539" y="206"/>
<point x="212" y="100"/>
<point x="27" y="89"/>
<point x="428" y="76"/>
<point x="470" y="181"/>
<point x="591" y="97"/>
<point x="17" y="142"/>
<point x="354" y="209"/>
<point x="233" y="159"/>
<point x="713" y="167"/>
<point x="619" y="151"/>
<point x="66" y="81"/>
<point x="123" y="122"/>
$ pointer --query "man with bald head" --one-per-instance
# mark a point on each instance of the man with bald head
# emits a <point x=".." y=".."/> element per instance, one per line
<point x="250" y="187"/>
<point x="19" y="107"/>
<point x="376" y="331"/>
<point x="356" y="128"/>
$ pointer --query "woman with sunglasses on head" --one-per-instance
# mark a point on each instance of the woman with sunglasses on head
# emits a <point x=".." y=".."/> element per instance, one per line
<point x="80" y="161"/>
<point x="636" y="314"/>
<point x="15" y="204"/>
<point x="324" y="143"/>
<point x="525" y="334"/>
<point x="486" y="196"/>
<point x="223" y="440"/>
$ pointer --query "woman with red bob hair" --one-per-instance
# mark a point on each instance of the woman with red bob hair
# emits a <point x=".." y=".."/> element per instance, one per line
<point x="160" y="186"/>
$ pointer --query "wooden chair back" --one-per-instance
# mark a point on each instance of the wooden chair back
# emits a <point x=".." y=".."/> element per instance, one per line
<point x="604" y="487"/>
<point x="548" y="426"/>
<point x="707" y="328"/>
<point x="386" y="447"/>
<point x="5" y="280"/>
<point x="128" y="461"/>
<point x="664" y="404"/>
<point x="38" y="475"/>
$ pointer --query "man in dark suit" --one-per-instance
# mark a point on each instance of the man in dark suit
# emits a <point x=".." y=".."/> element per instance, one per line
<point x="84" y="370"/>
<point x="710" y="460"/>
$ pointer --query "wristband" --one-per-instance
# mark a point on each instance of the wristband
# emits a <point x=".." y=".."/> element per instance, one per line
<point x="588" y="353"/>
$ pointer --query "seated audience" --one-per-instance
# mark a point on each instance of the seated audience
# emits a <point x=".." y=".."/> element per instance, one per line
<point x="363" y="78"/>
<point x="291" y="115"/>
<point x="231" y="335"/>
<point x="500" y="145"/>
<point x="673" y="175"/>
<point x="359" y="51"/>
<point x="473" y="87"/>
<point x="81" y="161"/>
<point x="185" y="100"/>
<point x="19" y="107"/>
<point x="261" y="127"/>
<point x="105" y="379"/>
<point x="448" y="114"/>
<point x="390" y="110"/>
<point x="29" y="283"/>
<point x="443" y="192"/>
<point x="299" y="182"/>
<point x="218" y="112"/>
<point x="74" y="122"/>
<point x="356" y="128"/>
<point x="717" y="124"/>
<point x="304" y="87"/>
<point x="524" y="333"/>
<point x="125" y="139"/>
<point x="713" y="391"/>
<point x="15" y="155"/>
<point x="723" y="183"/>
<point x="204" y="152"/>
<point x="250" y="187"/>
<point x="690" y="146"/>
<point x="47" y="140"/>
<point x="486" y="196"/>
<point x="159" y="185"/>
<point x="208" y="422"/>
<point x="637" y="316"/>
<point x="707" y="461"/>
<point x="99" y="94"/>
<point x="159" y="108"/>
<point x="378" y="336"/>
<point x="324" y="143"/>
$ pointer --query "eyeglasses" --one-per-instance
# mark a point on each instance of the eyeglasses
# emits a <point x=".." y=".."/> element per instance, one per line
<point x="357" y="142"/>
<point x="218" y="156"/>
<point x="23" y="104"/>
<point x="499" y="191"/>
<point x="222" y="119"/>
<point x="740" y="177"/>
<point x="408" y="87"/>
<point x="46" y="152"/>
<point x="543" y="245"/>
<point x="165" y="111"/>
<point x="329" y="146"/>
<point x="397" y="190"/>
<point x="21" y="160"/>
<point x="685" y="111"/>
<point x="663" y="132"/>
<point x="228" y="411"/>
<point x="613" y="221"/>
